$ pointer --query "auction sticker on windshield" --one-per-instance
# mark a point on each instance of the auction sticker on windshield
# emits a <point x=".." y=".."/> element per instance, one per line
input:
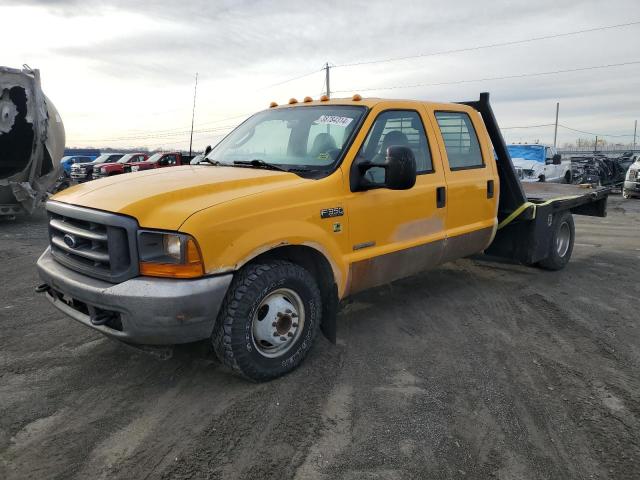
<point x="333" y="120"/>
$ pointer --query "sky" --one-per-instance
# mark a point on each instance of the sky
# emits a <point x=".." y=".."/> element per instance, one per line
<point x="121" y="73"/>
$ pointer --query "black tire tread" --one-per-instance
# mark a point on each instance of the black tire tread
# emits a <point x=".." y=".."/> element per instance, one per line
<point x="221" y="337"/>
<point x="553" y="262"/>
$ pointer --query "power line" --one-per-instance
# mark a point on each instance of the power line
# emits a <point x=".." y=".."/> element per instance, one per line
<point x="594" y="134"/>
<point x="529" y="126"/>
<point x="490" y="45"/>
<point x="161" y="135"/>
<point x="503" y="77"/>
<point x="291" y="79"/>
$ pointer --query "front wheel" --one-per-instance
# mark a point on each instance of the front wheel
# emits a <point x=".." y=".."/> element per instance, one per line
<point x="563" y="232"/>
<point x="268" y="321"/>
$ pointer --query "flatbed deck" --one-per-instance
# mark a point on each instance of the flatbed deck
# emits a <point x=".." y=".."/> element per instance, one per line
<point x="542" y="192"/>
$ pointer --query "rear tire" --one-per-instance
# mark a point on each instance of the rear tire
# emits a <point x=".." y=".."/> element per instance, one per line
<point x="567" y="177"/>
<point x="561" y="247"/>
<point x="268" y="320"/>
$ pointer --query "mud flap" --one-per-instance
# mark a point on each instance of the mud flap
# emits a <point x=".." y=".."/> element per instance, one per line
<point x="329" y="324"/>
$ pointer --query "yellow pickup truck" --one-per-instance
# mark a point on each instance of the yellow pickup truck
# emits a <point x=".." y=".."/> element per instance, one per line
<point x="300" y="206"/>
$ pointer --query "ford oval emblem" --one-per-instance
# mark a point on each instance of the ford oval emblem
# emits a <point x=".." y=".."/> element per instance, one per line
<point x="70" y="240"/>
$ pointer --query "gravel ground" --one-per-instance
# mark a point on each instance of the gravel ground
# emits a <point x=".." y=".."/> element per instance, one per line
<point x="475" y="370"/>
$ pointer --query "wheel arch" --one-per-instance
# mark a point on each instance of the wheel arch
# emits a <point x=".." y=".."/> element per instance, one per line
<point x="319" y="266"/>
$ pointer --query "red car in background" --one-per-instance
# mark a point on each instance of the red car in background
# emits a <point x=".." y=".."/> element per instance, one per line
<point x="116" y="168"/>
<point x="159" y="160"/>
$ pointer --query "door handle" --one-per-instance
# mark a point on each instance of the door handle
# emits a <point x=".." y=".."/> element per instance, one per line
<point x="441" y="197"/>
<point x="489" y="188"/>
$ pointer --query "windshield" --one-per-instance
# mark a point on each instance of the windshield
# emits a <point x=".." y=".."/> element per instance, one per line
<point x="125" y="158"/>
<point x="101" y="158"/>
<point x="304" y="138"/>
<point x="155" y="157"/>
<point x="107" y="158"/>
<point x="527" y="152"/>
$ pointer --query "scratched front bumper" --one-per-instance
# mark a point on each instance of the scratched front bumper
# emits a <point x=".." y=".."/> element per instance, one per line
<point x="151" y="311"/>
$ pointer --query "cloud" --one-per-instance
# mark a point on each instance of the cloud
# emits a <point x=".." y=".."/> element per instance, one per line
<point x="153" y="48"/>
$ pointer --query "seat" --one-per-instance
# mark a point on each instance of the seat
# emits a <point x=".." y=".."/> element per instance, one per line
<point x="323" y="143"/>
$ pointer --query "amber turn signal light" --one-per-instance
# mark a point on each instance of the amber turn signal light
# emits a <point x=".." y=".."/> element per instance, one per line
<point x="190" y="266"/>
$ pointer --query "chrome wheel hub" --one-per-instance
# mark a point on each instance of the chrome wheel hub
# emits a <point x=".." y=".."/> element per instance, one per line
<point x="277" y="323"/>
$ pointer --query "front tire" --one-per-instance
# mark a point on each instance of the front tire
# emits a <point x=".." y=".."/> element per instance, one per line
<point x="563" y="235"/>
<point x="268" y="320"/>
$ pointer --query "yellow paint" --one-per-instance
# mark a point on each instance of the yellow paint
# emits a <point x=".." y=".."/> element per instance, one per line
<point x="236" y="214"/>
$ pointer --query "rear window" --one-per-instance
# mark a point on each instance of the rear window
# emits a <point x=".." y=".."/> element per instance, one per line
<point x="460" y="140"/>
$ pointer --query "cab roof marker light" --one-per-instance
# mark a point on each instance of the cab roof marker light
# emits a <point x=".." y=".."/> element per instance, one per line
<point x="273" y="104"/>
<point x="356" y="97"/>
<point x="307" y="99"/>
<point x="292" y="101"/>
<point x="324" y="98"/>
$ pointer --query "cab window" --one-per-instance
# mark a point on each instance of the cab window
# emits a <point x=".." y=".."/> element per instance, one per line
<point x="395" y="128"/>
<point x="460" y="140"/>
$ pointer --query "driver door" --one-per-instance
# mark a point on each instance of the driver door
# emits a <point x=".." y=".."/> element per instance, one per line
<point x="396" y="233"/>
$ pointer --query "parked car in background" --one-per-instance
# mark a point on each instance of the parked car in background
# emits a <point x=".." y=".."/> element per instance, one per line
<point x="631" y="187"/>
<point x="539" y="163"/>
<point x="116" y="168"/>
<point x="83" y="172"/>
<point x="67" y="162"/>
<point x="159" y="160"/>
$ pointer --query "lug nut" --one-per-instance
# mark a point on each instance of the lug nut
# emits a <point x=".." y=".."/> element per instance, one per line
<point x="294" y="315"/>
<point x="289" y="334"/>
<point x="273" y="324"/>
<point x="275" y="334"/>
<point x="288" y="311"/>
<point x="279" y="314"/>
<point x="294" y="325"/>
<point x="282" y="339"/>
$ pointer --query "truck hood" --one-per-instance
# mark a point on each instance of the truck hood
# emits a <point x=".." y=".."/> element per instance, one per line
<point x="164" y="198"/>
<point x="528" y="164"/>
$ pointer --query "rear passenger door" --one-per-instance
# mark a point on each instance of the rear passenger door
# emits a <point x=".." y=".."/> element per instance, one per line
<point x="471" y="182"/>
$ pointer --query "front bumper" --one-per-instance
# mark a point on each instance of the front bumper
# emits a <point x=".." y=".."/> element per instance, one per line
<point x="143" y="310"/>
<point x="81" y="176"/>
<point x="632" y="186"/>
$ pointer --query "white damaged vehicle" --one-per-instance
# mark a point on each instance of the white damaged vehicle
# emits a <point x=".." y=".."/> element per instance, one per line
<point x="31" y="142"/>
<point x="539" y="163"/>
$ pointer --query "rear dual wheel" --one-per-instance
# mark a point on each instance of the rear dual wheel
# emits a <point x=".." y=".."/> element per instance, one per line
<point x="268" y="320"/>
<point x="561" y="246"/>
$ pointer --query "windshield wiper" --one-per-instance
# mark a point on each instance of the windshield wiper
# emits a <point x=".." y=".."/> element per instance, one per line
<point x="260" y="164"/>
<point x="210" y="162"/>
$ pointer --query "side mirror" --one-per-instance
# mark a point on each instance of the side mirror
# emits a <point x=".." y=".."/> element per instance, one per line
<point x="557" y="159"/>
<point x="400" y="168"/>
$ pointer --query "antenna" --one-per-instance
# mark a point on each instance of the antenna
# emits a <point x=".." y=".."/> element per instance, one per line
<point x="193" y="113"/>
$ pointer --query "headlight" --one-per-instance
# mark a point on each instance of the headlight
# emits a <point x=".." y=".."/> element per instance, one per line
<point x="165" y="254"/>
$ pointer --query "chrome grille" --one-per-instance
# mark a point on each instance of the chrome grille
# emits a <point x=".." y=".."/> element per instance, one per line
<point x="95" y="243"/>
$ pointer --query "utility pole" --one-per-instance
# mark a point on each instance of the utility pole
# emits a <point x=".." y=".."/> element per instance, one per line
<point x="326" y="72"/>
<point x="635" y="129"/>
<point x="555" y="133"/>
<point x="193" y="113"/>
<point x="595" y="147"/>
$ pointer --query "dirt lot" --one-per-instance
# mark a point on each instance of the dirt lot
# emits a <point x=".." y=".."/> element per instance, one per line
<point x="475" y="370"/>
